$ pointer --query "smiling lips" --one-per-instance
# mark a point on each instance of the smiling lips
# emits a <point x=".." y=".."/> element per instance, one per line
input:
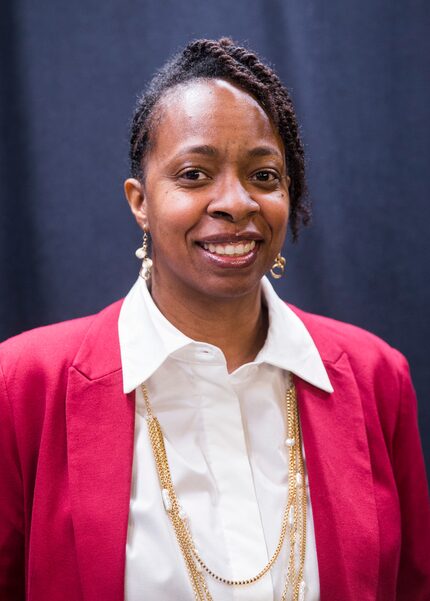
<point x="229" y="254"/>
<point x="237" y="249"/>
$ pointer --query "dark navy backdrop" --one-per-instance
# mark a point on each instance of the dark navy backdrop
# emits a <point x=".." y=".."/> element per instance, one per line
<point x="70" y="73"/>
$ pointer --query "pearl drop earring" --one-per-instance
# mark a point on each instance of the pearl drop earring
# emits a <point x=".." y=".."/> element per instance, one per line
<point x="142" y="253"/>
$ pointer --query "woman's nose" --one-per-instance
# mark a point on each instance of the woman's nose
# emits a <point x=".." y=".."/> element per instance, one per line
<point x="233" y="202"/>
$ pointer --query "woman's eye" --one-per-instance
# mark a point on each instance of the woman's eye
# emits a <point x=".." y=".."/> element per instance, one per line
<point x="266" y="176"/>
<point x="193" y="175"/>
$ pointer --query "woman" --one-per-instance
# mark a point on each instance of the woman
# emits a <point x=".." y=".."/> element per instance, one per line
<point x="154" y="451"/>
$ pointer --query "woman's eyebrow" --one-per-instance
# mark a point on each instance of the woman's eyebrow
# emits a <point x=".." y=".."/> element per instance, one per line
<point x="211" y="151"/>
<point x="204" y="149"/>
<point x="263" y="151"/>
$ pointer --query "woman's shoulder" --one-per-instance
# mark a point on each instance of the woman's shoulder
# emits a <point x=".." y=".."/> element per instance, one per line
<point x="364" y="349"/>
<point x="357" y="358"/>
<point x="52" y="346"/>
<point x="36" y="366"/>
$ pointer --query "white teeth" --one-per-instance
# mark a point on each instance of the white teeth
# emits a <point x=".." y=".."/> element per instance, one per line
<point x="237" y="249"/>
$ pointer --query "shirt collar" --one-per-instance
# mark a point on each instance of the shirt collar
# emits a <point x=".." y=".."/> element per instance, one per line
<point x="147" y="339"/>
<point x="289" y="344"/>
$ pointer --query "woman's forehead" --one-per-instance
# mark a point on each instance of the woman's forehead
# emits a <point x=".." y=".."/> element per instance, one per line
<point x="204" y="95"/>
<point x="213" y="108"/>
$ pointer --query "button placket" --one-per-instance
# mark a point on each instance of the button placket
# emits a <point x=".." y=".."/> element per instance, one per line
<point x="237" y="504"/>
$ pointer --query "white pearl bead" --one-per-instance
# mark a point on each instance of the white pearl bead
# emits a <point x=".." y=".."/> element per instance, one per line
<point x="140" y="253"/>
<point x="166" y="499"/>
<point x="290" y="442"/>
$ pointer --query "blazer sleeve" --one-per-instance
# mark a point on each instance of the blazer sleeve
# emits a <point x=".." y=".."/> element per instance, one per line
<point x="414" y="570"/>
<point x="12" y="540"/>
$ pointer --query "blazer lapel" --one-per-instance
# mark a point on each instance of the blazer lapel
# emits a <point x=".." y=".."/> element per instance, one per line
<point x="100" y="427"/>
<point x="341" y="486"/>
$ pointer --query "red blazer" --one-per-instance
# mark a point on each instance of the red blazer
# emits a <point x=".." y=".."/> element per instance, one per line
<point x="66" y="447"/>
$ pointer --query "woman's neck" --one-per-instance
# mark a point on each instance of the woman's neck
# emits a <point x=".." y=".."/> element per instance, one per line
<point x="238" y="326"/>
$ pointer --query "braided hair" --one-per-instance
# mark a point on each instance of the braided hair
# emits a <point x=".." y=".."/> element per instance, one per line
<point x="223" y="59"/>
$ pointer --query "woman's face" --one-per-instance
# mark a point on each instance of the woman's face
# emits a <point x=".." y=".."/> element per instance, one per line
<point x="215" y="193"/>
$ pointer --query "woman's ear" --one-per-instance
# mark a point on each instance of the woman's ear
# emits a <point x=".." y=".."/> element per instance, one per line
<point x="134" y="193"/>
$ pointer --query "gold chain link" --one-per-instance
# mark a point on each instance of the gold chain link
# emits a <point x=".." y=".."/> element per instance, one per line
<point x="293" y="520"/>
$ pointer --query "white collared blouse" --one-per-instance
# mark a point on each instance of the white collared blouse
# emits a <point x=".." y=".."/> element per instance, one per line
<point x="225" y="441"/>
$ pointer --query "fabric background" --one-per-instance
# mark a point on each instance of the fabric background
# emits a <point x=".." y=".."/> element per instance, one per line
<point x="70" y="73"/>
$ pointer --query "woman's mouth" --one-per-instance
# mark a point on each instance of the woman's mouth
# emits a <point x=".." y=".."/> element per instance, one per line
<point x="237" y="249"/>
<point x="237" y="254"/>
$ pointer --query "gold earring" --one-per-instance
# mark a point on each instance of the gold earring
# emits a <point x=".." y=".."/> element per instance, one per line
<point x="142" y="253"/>
<point x="279" y="265"/>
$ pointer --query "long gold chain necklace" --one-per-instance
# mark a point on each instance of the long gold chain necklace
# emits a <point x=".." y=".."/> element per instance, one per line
<point x="293" y="520"/>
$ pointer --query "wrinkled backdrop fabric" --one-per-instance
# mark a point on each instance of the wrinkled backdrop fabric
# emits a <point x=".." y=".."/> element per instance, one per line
<point x="70" y="73"/>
